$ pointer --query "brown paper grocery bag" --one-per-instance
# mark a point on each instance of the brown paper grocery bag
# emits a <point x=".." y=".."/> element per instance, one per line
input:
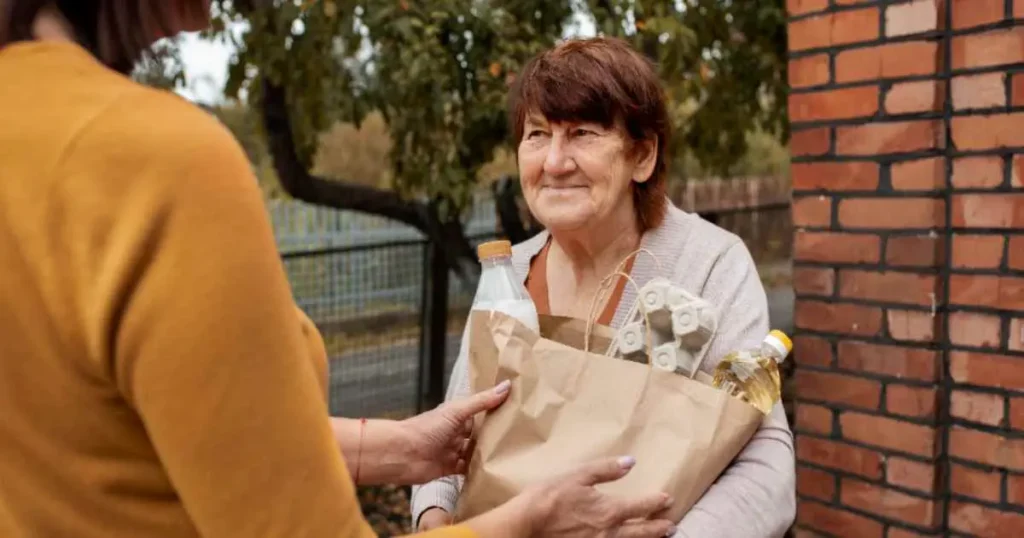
<point x="568" y="407"/>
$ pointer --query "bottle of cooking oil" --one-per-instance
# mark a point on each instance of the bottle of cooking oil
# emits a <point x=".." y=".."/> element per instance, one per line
<point x="753" y="374"/>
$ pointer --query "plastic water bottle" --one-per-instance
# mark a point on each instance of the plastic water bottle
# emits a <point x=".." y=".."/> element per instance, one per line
<point x="500" y="289"/>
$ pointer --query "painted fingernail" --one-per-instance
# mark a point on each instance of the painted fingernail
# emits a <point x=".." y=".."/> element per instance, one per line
<point x="502" y="387"/>
<point x="669" y="501"/>
<point x="627" y="462"/>
<point x="671" y="531"/>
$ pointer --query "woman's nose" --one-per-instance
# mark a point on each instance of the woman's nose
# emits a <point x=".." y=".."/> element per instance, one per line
<point x="559" y="160"/>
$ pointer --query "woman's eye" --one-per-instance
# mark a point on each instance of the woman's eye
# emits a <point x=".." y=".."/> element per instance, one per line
<point x="584" y="132"/>
<point x="535" y="133"/>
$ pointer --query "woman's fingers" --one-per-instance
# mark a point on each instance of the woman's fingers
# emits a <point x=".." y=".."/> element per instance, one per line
<point x="642" y="507"/>
<point x="655" y="528"/>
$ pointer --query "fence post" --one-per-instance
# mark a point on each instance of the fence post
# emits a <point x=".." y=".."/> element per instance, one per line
<point x="433" y="328"/>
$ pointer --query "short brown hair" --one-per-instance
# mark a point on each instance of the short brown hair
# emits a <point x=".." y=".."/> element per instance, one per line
<point x="601" y="80"/>
<point x="117" y="32"/>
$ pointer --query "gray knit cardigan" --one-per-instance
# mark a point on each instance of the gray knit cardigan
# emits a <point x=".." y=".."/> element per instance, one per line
<point x="756" y="496"/>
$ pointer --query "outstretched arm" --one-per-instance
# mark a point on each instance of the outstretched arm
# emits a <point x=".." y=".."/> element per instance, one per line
<point x="756" y="495"/>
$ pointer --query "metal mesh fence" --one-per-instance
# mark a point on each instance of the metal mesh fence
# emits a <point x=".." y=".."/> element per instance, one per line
<point x="360" y="279"/>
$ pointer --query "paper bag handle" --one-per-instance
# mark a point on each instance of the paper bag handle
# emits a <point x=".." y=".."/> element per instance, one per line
<point x="591" y="319"/>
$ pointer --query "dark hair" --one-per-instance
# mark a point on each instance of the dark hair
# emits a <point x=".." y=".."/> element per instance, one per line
<point x="601" y="80"/>
<point x="117" y="32"/>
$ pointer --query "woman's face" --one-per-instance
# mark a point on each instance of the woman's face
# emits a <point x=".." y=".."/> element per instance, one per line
<point x="575" y="174"/>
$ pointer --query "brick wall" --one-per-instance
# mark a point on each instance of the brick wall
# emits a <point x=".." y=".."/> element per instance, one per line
<point x="908" y="202"/>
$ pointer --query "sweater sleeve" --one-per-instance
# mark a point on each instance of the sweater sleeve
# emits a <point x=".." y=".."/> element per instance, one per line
<point x="444" y="492"/>
<point x="212" y="357"/>
<point x="756" y="495"/>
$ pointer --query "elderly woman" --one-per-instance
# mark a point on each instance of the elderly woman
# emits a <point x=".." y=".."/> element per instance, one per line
<point x="591" y="126"/>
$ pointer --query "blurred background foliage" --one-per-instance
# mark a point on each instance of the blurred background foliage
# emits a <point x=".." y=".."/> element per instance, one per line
<point x="410" y="95"/>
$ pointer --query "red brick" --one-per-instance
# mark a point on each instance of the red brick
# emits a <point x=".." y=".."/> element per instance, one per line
<point x="814" y="281"/>
<point x="1006" y="293"/>
<point x="915" y="17"/>
<point x="889" y="433"/>
<point x="836" y="247"/>
<point x="837" y="388"/>
<point x="974" y="330"/>
<point x="978" y="407"/>
<point x="895" y="361"/>
<point x="809" y="71"/>
<point x="911" y="326"/>
<point x="802" y="7"/>
<point x="997" y="47"/>
<point x="919" y="175"/>
<point x="986" y="369"/>
<point x="914" y="251"/>
<point x="1015" y="340"/>
<point x="895" y="532"/>
<point x="978" y="520"/>
<point x="910" y="474"/>
<point x="840" y="456"/>
<point x="1015" y="489"/>
<point x="815" y="483"/>
<point x="968" y="13"/>
<point x="988" y="210"/>
<point x="987" y="448"/>
<point x="1017" y="413"/>
<point x="811" y="350"/>
<point x="892" y="286"/>
<point x="813" y="418"/>
<point x="836" y="522"/>
<point x="979" y="91"/>
<point x="977" y="251"/>
<point x="1018" y="9"/>
<point x="888" y="138"/>
<point x="1017" y="171"/>
<point x="891" y="213"/>
<point x="836" y="176"/>
<point x="977" y="172"/>
<point x="1016" y="250"/>
<point x="847" y="103"/>
<point x="988" y="131"/>
<point x="812" y="211"/>
<point x="887" y="503"/>
<point x="982" y="485"/>
<point x="838" y="318"/>
<point x="913" y="97"/>
<point x="915" y="402"/>
<point x="832" y="29"/>
<point x="1017" y="88"/>
<point x="809" y="142"/>
<point x="887" y="61"/>
<point x="977" y="290"/>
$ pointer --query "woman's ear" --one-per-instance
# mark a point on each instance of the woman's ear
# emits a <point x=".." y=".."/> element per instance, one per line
<point x="645" y="153"/>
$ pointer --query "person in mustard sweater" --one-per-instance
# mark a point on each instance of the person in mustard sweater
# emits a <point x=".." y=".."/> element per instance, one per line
<point x="156" y="377"/>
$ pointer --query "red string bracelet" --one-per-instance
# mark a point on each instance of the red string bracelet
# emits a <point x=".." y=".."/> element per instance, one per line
<point x="359" y="453"/>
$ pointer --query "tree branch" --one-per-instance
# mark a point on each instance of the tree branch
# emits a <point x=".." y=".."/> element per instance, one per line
<point x="299" y="183"/>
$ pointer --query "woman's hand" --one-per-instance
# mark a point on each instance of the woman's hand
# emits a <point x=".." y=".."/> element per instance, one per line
<point x="569" y="506"/>
<point x="438" y="442"/>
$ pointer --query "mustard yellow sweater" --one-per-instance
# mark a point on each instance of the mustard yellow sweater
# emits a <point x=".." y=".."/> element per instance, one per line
<point x="156" y="378"/>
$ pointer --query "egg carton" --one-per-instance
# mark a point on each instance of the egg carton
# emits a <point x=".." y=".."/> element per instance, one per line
<point x="668" y="324"/>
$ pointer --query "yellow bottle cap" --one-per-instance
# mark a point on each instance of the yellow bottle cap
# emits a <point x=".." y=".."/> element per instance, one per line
<point x="494" y="249"/>
<point x="781" y="336"/>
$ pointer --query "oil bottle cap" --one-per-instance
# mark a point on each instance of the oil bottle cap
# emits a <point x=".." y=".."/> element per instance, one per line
<point x="780" y="342"/>
<point x="494" y="249"/>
